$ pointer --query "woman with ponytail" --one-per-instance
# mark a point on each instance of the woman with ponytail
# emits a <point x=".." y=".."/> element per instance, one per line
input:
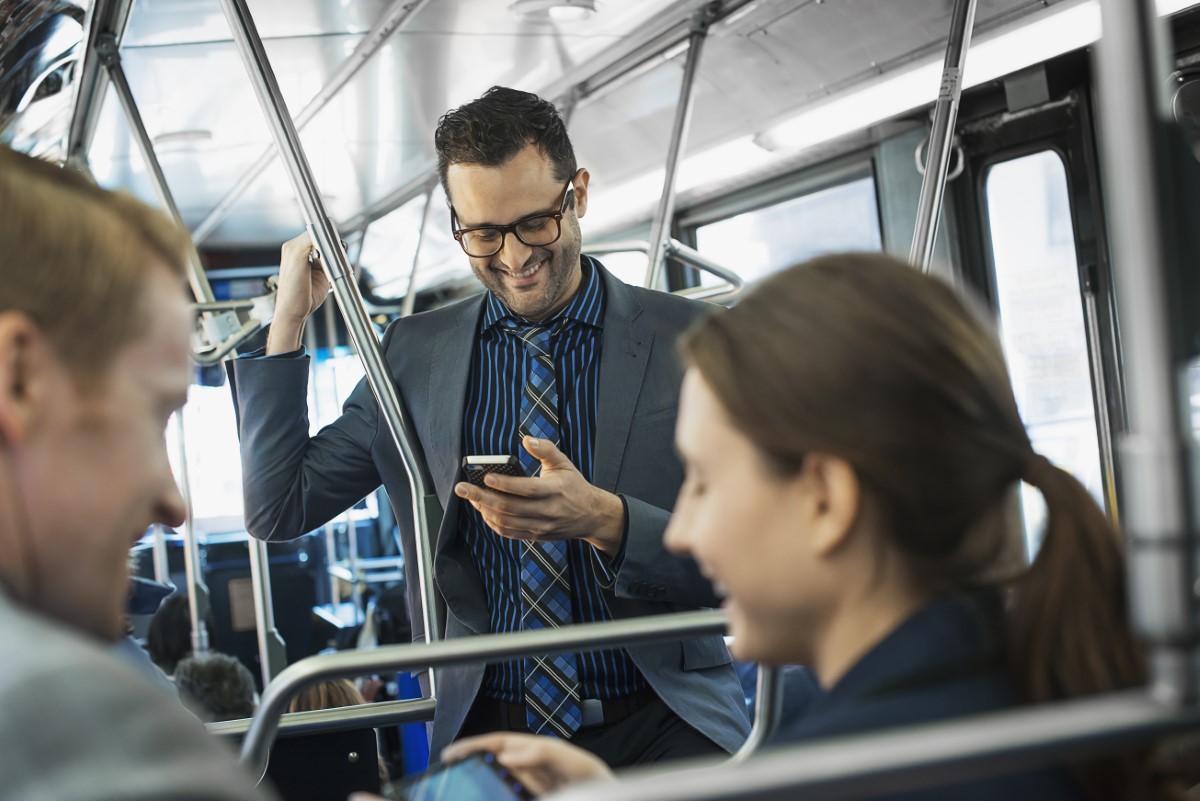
<point x="853" y="447"/>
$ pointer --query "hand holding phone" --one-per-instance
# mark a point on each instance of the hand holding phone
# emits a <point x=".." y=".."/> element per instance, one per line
<point x="478" y="778"/>
<point x="476" y="467"/>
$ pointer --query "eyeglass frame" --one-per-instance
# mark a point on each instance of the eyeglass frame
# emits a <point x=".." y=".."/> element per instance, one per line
<point x="458" y="233"/>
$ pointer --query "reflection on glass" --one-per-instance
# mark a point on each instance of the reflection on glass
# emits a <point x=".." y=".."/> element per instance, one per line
<point x="391" y="243"/>
<point x="1041" y="320"/>
<point x="762" y="241"/>
<point x="213" y="458"/>
<point x="627" y="265"/>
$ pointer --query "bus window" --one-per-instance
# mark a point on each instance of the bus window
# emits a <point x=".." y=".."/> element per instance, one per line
<point x="391" y="242"/>
<point x="1041" y="320"/>
<point x="214" y="464"/>
<point x="758" y="242"/>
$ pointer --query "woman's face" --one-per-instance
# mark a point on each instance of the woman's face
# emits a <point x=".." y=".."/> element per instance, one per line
<point x="752" y="531"/>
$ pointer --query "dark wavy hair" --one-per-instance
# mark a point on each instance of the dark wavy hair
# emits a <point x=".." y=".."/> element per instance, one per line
<point x="493" y="129"/>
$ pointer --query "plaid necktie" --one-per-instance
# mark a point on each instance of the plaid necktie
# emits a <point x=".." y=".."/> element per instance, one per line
<point x="552" y="703"/>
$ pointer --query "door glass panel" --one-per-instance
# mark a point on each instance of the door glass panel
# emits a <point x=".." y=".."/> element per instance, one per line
<point x="1041" y="320"/>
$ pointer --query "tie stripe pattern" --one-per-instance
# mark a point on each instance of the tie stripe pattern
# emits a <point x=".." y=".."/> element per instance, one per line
<point x="552" y="697"/>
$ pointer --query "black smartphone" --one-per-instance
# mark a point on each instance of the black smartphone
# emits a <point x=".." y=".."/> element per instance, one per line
<point x="476" y="467"/>
<point x="477" y="778"/>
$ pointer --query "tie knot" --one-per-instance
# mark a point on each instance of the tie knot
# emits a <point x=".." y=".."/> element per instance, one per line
<point x="536" y="336"/>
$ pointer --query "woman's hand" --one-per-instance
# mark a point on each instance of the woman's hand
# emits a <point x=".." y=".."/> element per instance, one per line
<point x="542" y="764"/>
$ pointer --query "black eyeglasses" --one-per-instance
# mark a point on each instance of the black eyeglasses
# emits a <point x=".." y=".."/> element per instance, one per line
<point x="537" y="230"/>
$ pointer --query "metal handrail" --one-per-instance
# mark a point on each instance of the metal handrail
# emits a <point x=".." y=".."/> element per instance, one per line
<point x="484" y="648"/>
<point x="383" y="713"/>
<point x="660" y="224"/>
<point x="1156" y="509"/>
<point x="681" y="253"/>
<point x="912" y="758"/>
<point x="425" y="506"/>
<point x="941" y="134"/>
<point x="768" y="710"/>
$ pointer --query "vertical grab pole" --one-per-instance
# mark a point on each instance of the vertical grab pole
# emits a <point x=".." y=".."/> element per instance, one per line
<point x="197" y="588"/>
<point x="941" y="134"/>
<point x="336" y="265"/>
<point x="1131" y="65"/>
<point x="410" y="297"/>
<point x="272" y="655"/>
<point x="162" y="570"/>
<point x="310" y="344"/>
<point x="679" y="133"/>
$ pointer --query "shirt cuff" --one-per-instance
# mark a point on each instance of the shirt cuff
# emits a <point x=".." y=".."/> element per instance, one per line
<point x="608" y="567"/>
<point x="261" y="353"/>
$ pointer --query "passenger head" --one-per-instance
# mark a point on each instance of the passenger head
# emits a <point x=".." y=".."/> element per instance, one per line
<point x="94" y="342"/>
<point x="503" y="158"/>
<point x="851" y="441"/>
<point x="216" y="687"/>
<point x="169" y="637"/>
<point x="327" y="695"/>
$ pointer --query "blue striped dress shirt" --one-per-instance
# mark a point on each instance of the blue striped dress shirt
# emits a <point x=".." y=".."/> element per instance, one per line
<point x="490" y="424"/>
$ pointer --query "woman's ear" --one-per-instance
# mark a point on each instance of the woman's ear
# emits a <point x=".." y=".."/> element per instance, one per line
<point x="834" y="503"/>
<point x="22" y="357"/>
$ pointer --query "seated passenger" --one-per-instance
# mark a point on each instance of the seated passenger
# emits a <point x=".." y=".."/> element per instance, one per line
<point x="332" y="694"/>
<point x="852" y="444"/>
<point x="169" y="638"/>
<point x="216" y="687"/>
<point x="94" y="341"/>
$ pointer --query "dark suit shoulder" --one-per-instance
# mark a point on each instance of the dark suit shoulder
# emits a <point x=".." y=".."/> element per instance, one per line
<point x="672" y="306"/>
<point x="416" y="326"/>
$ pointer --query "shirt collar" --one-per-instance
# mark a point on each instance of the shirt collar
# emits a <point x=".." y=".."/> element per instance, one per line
<point x="587" y="306"/>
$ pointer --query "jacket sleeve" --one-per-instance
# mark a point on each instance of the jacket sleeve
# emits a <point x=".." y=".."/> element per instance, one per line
<point x="648" y="571"/>
<point x="293" y="483"/>
<point x="88" y="731"/>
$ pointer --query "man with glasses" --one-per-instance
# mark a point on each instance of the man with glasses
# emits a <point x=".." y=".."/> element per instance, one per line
<point x="568" y="370"/>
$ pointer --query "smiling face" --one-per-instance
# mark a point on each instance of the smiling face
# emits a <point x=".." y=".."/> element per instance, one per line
<point x="85" y="468"/>
<point x="754" y="533"/>
<point x="534" y="282"/>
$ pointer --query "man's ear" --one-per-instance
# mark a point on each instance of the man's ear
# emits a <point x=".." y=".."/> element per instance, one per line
<point x="24" y="355"/>
<point x="581" y="191"/>
<point x="835" y="500"/>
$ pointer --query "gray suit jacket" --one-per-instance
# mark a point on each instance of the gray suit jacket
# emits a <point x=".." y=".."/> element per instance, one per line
<point x="78" y="725"/>
<point x="293" y="484"/>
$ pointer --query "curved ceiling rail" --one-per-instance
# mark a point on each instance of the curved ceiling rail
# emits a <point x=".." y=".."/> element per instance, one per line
<point x="427" y="511"/>
<point x="485" y="647"/>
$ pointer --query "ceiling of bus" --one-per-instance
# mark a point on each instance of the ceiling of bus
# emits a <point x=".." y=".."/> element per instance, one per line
<point x="376" y="135"/>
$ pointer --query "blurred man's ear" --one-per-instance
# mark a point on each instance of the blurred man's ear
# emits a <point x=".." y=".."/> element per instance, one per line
<point x="23" y="351"/>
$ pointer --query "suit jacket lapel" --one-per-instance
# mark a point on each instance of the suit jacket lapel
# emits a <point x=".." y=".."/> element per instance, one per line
<point x="449" y="371"/>
<point x="623" y="359"/>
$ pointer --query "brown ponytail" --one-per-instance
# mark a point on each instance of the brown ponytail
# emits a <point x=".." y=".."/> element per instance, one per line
<point x="1068" y="634"/>
<point x="861" y="357"/>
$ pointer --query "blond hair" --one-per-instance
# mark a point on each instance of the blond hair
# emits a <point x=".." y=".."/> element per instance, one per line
<point x="73" y="257"/>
